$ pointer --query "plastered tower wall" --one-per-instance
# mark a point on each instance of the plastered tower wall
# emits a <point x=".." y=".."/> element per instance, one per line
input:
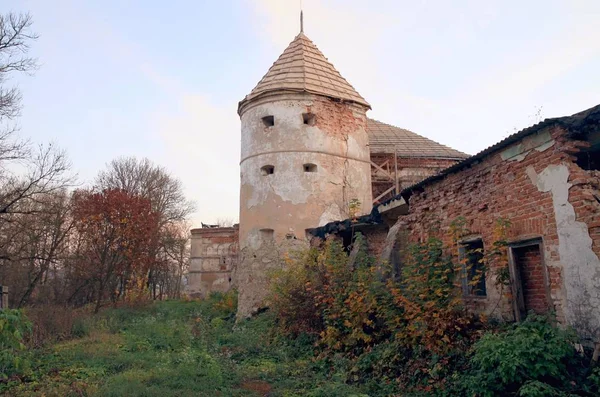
<point x="317" y="148"/>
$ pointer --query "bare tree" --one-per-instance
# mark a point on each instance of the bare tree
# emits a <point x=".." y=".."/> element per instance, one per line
<point x="25" y="172"/>
<point x="34" y="246"/>
<point x="32" y="179"/>
<point x="15" y="38"/>
<point x="176" y="257"/>
<point x="150" y="181"/>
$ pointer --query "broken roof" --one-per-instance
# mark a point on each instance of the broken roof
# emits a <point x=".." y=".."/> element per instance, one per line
<point x="577" y="124"/>
<point x="303" y="68"/>
<point x="385" y="138"/>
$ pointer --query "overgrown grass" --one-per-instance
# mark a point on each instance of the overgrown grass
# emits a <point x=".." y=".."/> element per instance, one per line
<point x="178" y="348"/>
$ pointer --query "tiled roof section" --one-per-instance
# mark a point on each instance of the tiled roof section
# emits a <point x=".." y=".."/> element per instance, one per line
<point x="303" y="68"/>
<point x="385" y="138"/>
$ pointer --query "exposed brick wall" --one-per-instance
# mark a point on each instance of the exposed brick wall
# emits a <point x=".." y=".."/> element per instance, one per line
<point x="410" y="171"/>
<point x="376" y="238"/>
<point x="528" y="261"/>
<point x="496" y="188"/>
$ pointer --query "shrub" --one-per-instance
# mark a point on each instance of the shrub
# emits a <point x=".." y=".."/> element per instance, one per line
<point x="432" y="314"/>
<point x="294" y="294"/>
<point x="53" y="323"/>
<point x="328" y="293"/>
<point x="14" y="326"/>
<point x="529" y="358"/>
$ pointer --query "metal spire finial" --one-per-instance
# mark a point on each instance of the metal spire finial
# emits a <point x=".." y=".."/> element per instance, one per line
<point x="301" y="21"/>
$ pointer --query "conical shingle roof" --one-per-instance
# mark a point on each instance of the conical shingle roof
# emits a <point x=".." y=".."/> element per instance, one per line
<point x="385" y="138"/>
<point x="303" y="68"/>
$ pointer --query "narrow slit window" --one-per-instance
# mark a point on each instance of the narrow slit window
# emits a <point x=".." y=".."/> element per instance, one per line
<point x="309" y="118"/>
<point x="267" y="170"/>
<point x="473" y="268"/>
<point x="309" y="167"/>
<point x="268" y="121"/>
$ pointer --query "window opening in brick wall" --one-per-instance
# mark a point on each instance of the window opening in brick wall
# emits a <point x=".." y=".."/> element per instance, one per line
<point x="309" y="167"/>
<point x="471" y="255"/>
<point x="589" y="160"/>
<point x="589" y="157"/>
<point x="309" y="118"/>
<point x="528" y="279"/>
<point x="268" y="121"/>
<point x="267" y="170"/>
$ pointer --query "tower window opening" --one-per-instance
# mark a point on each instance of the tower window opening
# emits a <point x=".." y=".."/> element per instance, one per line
<point x="267" y="234"/>
<point x="309" y="118"/>
<point x="267" y="170"/>
<point x="309" y="167"/>
<point x="268" y="121"/>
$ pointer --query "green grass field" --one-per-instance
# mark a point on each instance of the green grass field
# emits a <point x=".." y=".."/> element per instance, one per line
<point x="177" y="348"/>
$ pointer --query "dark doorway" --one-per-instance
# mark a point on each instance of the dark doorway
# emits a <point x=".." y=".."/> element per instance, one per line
<point x="529" y="282"/>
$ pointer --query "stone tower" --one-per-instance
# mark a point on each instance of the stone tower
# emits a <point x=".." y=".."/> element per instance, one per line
<point x="304" y="162"/>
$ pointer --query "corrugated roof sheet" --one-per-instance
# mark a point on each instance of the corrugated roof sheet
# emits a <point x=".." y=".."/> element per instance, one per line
<point x="578" y="124"/>
<point x="385" y="138"/>
<point x="303" y="68"/>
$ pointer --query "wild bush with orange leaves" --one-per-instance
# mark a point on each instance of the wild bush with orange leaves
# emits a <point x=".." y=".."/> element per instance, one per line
<point x="334" y="296"/>
<point x="433" y="314"/>
<point x="352" y="302"/>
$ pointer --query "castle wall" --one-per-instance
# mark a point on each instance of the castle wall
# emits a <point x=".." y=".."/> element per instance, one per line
<point x="214" y="256"/>
<point x="276" y="207"/>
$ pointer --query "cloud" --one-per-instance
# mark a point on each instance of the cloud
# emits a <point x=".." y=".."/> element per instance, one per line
<point x="202" y="147"/>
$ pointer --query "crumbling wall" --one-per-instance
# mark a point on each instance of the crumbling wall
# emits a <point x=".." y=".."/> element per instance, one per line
<point x="537" y="186"/>
<point x="214" y="257"/>
<point x="497" y="187"/>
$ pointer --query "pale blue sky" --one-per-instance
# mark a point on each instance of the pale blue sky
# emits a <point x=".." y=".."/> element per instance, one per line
<point x="162" y="79"/>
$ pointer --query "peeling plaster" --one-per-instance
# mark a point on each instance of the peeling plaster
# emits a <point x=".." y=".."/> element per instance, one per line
<point x="290" y="200"/>
<point x="539" y="142"/>
<point x="337" y="144"/>
<point x="581" y="266"/>
<point x="331" y="213"/>
<point x="514" y="153"/>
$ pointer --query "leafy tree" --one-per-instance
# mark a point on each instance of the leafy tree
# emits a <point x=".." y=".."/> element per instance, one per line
<point x="117" y="233"/>
<point x="165" y="194"/>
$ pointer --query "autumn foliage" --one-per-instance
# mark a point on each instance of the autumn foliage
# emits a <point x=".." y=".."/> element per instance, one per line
<point x="353" y="302"/>
<point x="117" y="235"/>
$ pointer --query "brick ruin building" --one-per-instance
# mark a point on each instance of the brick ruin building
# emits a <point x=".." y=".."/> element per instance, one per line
<point x="309" y="152"/>
<point x="544" y="180"/>
<point x="309" y="156"/>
